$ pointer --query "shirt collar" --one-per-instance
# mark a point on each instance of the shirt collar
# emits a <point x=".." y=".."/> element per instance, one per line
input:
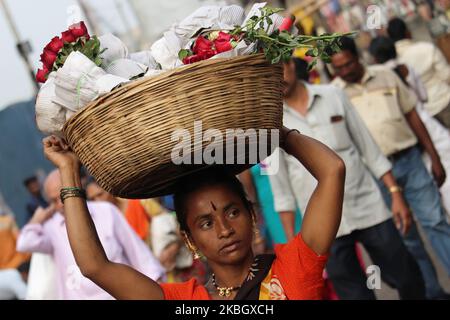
<point x="368" y="74"/>
<point x="313" y="93"/>
<point x="400" y="44"/>
<point x="391" y="64"/>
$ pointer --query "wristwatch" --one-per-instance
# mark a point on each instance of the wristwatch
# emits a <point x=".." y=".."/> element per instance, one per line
<point x="394" y="189"/>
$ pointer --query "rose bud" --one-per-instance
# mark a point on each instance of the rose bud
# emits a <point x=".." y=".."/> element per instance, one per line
<point x="192" y="59"/>
<point x="79" y="30"/>
<point x="202" y="44"/>
<point x="67" y="36"/>
<point x="41" y="75"/>
<point x="48" y="58"/>
<point x="223" y="36"/>
<point x="55" y="45"/>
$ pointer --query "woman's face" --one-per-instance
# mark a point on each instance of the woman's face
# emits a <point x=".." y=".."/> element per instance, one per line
<point x="220" y="226"/>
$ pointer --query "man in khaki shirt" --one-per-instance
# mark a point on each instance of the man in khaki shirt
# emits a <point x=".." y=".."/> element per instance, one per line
<point x="387" y="107"/>
<point x="430" y="64"/>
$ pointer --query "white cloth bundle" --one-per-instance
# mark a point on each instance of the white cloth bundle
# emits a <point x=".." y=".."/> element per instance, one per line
<point x="80" y="81"/>
<point x="255" y="11"/>
<point x="50" y="117"/>
<point x="166" y="49"/>
<point x="115" y="49"/>
<point x="209" y="17"/>
<point x="116" y="60"/>
<point x="145" y="58"/>
<point x="126" y="68"/>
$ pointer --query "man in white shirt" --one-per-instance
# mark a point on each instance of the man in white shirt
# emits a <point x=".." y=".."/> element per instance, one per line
<point x="430" y="64"/>
<point x="387" y="108"/>
<point x="324" y="113"/>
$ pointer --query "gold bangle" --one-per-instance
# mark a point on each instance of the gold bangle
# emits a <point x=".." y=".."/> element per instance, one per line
<point x="395" y="189"/>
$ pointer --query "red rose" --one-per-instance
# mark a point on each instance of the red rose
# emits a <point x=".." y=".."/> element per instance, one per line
<point x="222" y="46"/>
<point x="55" y="45"/>
<point x="202" y="45"/>
<point x="199" y="57"/>
<point x="67" y="36"/>
<point x="223" y="36"/>
<point x="48" y="58"/>
<point x="41" y="75"/>
<point x="192" y="59"/>
<point x="79" y="30"/>
<point x="222" y="43"/>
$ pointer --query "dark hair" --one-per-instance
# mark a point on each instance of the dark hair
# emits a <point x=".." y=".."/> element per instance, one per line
<point x="29" y="180"/>
<point x="206" y="178"/>
<point x="348" y="44"/>
<point x="397" y="29"/>
<point x="301" y="69"/>
<point x="382" y="49"/>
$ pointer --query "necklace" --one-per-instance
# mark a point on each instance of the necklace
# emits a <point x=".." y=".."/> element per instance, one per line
<point x="223" y="291"/>
<point x="226" y="291"/>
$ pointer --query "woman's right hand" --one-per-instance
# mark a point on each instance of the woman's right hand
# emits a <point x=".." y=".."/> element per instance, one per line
<point x="59" y="153"/>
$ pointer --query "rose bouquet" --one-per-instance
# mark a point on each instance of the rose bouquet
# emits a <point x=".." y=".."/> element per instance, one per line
<point x="277" y="44"/>
<point x="75" y="38"/>
<point x="77" y="68"/>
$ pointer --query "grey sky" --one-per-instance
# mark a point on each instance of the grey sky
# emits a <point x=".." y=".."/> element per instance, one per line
<point x="38" y="22"/>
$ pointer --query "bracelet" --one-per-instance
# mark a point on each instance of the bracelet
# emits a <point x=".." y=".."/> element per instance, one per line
<point x="395" y="189"/>
<point x="69" y="192"/>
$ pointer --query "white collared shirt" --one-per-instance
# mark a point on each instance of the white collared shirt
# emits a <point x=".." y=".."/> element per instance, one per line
<point x="433" y="69"/>
<point x="332" y="120"/>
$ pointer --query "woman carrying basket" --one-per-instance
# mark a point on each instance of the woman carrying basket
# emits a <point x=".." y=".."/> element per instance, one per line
<point x="217" y="221"/>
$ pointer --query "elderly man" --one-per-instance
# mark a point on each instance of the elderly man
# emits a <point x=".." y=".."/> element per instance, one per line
<point x="46" y="233"/>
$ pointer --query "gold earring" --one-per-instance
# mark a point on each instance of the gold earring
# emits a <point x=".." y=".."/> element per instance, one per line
<point x="191" y="247"/>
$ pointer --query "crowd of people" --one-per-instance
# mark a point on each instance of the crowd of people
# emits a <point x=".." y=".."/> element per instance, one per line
<point x="383" y="127"/>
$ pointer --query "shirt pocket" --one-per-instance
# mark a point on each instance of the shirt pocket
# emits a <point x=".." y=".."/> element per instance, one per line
<point x="386" y="104"/>
<point x="333" y="133"/>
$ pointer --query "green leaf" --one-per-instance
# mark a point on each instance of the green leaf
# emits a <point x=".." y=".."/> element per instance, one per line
<point x="285" y="36"/>
<point x="98" y="61"/>
<point x="326" y="59"/>
<point x="312" y="65"/>
<point x="183" y="53"/>
<point x="310" y="52"/>
<point x="276" y="59"/>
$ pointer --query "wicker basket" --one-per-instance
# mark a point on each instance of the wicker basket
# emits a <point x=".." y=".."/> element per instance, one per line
<point x="124" y="137"/>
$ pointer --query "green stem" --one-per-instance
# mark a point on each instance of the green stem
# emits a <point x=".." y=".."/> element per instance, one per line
<point x="282" y="43"/>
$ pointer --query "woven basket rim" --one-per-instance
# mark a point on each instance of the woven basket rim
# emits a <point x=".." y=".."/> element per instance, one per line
<point x="257" y="58"/>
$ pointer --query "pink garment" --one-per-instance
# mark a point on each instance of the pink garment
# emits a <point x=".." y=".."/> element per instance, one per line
<point x="119" y="241"/>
